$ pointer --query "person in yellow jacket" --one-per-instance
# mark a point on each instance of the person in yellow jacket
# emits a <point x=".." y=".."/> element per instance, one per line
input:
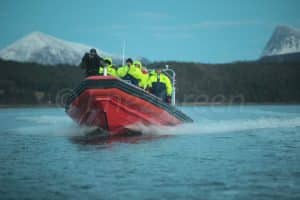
<point x="131" y="71"/>
<point x="160" y="85"/>
<point x="111" y="69"/>
<point x="144" y="78"/>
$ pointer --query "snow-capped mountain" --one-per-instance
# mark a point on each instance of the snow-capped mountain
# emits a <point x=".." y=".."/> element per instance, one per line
<point x="285" y="40"/>
<point x="41" y="48"/>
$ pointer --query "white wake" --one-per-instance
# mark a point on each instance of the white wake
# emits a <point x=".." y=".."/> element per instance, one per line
<point x="64" y="126"/>
<point x="222" y="126"/>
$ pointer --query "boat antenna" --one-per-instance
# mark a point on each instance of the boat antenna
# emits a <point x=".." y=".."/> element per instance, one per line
<point x="123" y="52"/>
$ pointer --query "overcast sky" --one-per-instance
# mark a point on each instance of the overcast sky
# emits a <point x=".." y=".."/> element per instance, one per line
<point x="212" y="31"/>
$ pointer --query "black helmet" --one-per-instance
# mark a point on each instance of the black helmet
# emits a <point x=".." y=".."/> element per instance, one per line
<point x="93" y="51"/>
<point x="129" y="60"/>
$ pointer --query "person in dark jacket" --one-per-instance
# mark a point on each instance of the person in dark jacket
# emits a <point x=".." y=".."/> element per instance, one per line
<point x="91" y="62"/>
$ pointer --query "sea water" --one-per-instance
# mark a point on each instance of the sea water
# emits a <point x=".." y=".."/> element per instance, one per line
<point x="229" y="152"/>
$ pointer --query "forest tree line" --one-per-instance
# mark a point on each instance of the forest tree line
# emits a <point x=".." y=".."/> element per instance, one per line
<point x="249" y="82"/>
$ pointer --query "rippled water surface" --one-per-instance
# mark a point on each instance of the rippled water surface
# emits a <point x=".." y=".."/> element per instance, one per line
<point x="230" y="152"/>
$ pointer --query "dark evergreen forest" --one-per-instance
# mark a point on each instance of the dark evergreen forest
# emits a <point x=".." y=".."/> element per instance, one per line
<point x="249" y="82"/>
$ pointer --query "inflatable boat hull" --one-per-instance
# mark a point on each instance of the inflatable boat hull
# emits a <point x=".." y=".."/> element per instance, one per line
<point x="115" y="105"/>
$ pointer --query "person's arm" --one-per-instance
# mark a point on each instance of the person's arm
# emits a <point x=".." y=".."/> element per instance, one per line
<point x="143" y="82"/>
<point x="121" y="71"/>
<point x="100" y="70"/>
<point x="149" y="83"/>
<point x="168" y="86"/>
<point x="114" y="69"/>
<point x="101" y="61"/>
<point x="169" y="89"/>
<point x="138" y="74"/>
<point x="83" y="62"/>
<point x="111" y="70"/>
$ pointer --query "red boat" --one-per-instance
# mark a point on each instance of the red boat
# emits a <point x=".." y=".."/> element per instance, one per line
<point x="114" y="105"/>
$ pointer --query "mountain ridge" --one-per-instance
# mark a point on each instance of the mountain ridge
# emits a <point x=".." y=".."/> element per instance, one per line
<point x="41" y="48"/>
<point x="284" y="40"/>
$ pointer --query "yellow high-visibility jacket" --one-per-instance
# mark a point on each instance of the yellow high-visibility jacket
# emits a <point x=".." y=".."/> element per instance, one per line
<point x="153" y="77"/>
<point x="131" y="70"/>
<point x="144" y="80"/>
<point x="111" y="71"/>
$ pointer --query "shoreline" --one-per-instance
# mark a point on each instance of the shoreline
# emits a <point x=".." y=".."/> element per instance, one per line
<point x="238" y="104"/>
<point x="28" y="106"/>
